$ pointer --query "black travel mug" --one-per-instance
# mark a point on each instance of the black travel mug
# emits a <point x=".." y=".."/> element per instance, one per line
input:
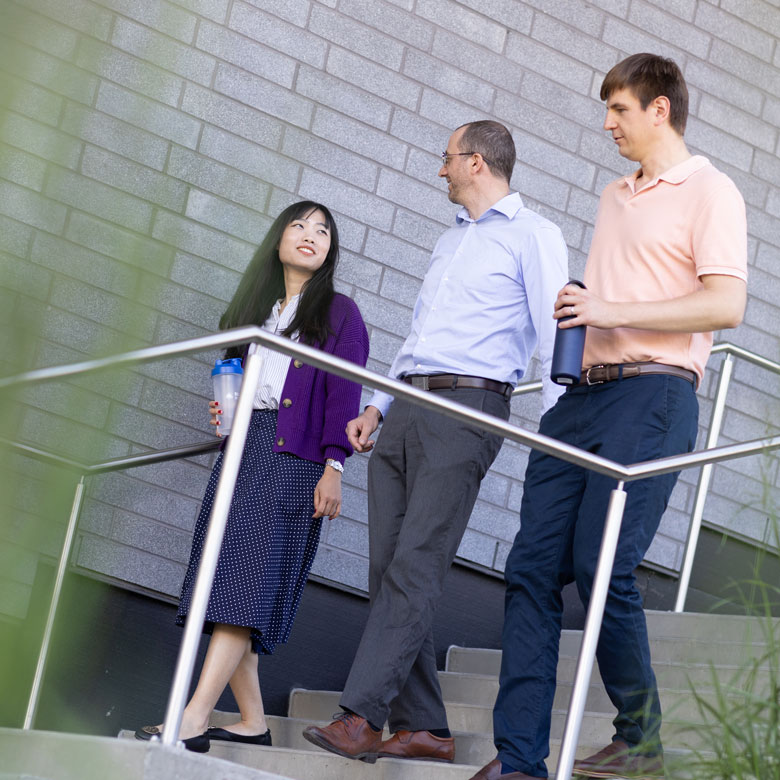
<point x="567" y="352"/>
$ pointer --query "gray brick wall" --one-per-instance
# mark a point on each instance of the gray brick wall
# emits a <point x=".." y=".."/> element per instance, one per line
<point x="146" y="146"/>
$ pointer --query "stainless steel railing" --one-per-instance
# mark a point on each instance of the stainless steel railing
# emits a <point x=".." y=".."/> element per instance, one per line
<point x="84" y="471"/>
<point x="256" y="335"/>
<point x="713" y="433"/>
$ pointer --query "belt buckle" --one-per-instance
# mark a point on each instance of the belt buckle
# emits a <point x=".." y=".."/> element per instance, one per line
<point x="588" y="381"/>
<point x="420" y="382"/>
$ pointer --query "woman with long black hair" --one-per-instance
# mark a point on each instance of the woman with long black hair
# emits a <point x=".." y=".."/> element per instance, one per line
<point x="290" y="474"/>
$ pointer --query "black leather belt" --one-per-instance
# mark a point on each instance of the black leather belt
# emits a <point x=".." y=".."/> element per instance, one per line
<point x="452" y="381"/>
<point x="597" y="375"/>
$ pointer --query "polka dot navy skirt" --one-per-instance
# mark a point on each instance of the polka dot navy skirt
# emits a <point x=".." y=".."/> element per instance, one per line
<point x="270" y="540"/>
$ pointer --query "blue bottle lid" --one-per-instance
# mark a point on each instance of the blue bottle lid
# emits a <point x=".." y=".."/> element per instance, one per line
<point x="231" y="366"/>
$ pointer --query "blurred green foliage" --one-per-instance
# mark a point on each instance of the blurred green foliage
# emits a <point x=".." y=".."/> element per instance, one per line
<point x="36" y="497"/>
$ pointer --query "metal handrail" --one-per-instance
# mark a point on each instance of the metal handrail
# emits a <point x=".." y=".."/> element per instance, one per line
<point x="713" y="433"/>
<point x="256" y="335"/>
<point x="115" y="464"/>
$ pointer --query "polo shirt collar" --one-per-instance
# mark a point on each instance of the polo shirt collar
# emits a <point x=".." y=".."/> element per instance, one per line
<point x="509" y="205"/>
<point x="677" y="174"/>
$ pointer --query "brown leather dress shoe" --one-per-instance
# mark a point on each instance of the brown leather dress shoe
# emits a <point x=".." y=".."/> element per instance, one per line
<point x="492" y="771"/>
<point x="616" y="760"/>
<point x="349" y="735"/>
<point x="420" y="745"/>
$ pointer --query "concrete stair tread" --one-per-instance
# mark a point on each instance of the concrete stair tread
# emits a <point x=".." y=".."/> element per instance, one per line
<point x="687" y="650"/>
<point x="665" y="652"/>
<point x="318" y="764"/>
<point x="701" y="625"/>
<point x="314" y="764"/>
<point x="673" y="676"/>
<point x="596" y="732"/>
<point x="679" y="706"/>
<point x="60" y="756"/>
<point x="471" y="749"/>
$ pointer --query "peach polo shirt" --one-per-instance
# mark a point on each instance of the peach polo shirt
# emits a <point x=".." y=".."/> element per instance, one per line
<point x="655" y="244"/>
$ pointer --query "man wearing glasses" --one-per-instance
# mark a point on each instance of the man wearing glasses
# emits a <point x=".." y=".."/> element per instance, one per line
<point x="486" y="302"/>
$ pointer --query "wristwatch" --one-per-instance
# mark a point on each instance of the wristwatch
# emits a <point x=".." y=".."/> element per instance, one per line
<point x="334" y="464"/>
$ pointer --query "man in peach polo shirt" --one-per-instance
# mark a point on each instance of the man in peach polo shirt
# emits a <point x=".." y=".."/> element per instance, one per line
<point x="667" y="266"/>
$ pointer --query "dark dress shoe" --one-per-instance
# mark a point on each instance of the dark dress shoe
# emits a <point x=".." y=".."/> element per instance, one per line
<point x="492" y="771"/>
<point x="617" y="760"/>
<point x="419" y="745"/>
<point x="197" y="744"/>
<point x="224" y="735"/>
<point x="147" y="732"/>
<point x="349" y="736"/>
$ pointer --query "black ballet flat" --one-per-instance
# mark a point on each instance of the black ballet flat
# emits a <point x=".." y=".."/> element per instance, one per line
<point x="197" y="744"/>
<point x="229" y="736"/>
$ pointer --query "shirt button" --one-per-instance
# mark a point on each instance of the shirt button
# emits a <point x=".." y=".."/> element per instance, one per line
<point x="297" y="363"/>
<point x="423" y="338"/>
<point x="280" y="442"/>
<point x="287" y="403"/>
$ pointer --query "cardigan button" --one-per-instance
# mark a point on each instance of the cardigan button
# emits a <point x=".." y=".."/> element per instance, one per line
<point x="287" y="403"/>
<point x="280" y="441"/>
<point x="297" y="363"/>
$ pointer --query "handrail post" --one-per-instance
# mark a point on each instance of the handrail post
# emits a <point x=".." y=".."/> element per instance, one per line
<point x="212" y="545"/>
<point x="43" y="653"/>
<point x="716" y="423"/>
<point x="590" y="636"/>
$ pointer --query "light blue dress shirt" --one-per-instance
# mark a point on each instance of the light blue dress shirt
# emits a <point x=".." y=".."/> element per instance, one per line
<point x="487" y="300"/>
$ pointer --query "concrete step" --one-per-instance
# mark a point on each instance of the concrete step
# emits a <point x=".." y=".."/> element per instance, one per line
<point x="470" y="749"/>
<point x="689" y="638"/>
<point x="287" y="733"/>
<point x="729" y="655"/>
<point x="320" y="705"/>
<point x="56" y="756"/>
<point x="701" y="626"/>
<point x="310" y="763"/>
<point x="320" y="765"/>
<point x="483" y="664"/>
<point x="678" y="706"/>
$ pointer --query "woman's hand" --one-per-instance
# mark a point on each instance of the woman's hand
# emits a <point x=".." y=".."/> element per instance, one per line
<point x="215" y="411"/>
<point x="327" y="494"/>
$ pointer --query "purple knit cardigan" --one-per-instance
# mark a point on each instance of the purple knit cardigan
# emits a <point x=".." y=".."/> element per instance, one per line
<point x="316" y="406"/>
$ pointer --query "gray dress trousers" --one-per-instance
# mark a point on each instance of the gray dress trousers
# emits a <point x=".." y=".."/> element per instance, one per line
<point x="423" y="480"/>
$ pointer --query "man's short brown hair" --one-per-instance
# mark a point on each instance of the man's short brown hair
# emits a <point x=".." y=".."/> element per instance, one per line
<point x="649" y="76"/>
<point x="494" y="142"/>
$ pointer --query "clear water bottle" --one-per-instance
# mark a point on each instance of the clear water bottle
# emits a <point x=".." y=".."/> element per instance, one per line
<point x="567" y="351"/>
<point x="227" y="376"/>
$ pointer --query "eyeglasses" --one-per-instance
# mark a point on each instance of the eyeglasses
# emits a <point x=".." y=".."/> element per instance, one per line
<point x="445" y="156"/>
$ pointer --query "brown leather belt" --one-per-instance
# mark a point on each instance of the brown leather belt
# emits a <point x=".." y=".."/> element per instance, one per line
<point x="597" y="375"/>
<point x="451" y="381"/>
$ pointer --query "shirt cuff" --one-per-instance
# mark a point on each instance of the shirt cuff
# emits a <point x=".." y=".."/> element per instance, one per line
<point x="381" y="401"/>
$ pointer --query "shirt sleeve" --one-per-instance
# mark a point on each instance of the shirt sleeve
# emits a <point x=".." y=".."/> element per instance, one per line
<point x="545" y="270"/>
<point x="720" y="234"/>
<point x="382" y="401"/>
